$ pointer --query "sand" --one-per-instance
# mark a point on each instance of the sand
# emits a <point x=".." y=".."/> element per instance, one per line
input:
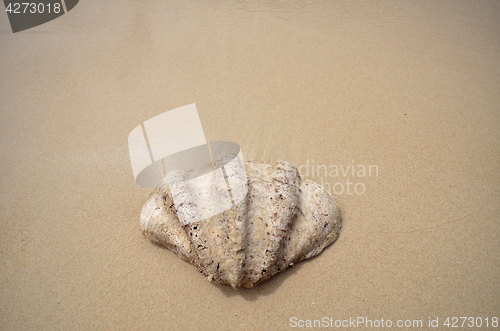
<point x="408" y="90"/>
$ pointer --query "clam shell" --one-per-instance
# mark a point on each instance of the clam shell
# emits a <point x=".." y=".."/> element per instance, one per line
<point x="283" y="219"/>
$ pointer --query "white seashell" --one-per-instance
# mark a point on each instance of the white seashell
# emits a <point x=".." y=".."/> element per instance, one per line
<point x="284" y="219"/>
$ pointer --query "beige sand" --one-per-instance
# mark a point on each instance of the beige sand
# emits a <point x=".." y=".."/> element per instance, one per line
<point x="410" y="87"/>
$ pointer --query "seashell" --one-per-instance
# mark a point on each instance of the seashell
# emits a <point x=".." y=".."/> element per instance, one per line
<point x="284" y="219"/>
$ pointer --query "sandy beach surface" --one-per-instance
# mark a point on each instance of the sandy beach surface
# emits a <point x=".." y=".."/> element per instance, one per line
<point x="393" y="106"/>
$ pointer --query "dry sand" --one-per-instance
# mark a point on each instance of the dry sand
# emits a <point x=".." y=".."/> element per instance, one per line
<point x="412" y="87"/>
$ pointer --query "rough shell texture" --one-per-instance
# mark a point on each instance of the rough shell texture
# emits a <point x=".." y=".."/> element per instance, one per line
<point x="283" y="220"/>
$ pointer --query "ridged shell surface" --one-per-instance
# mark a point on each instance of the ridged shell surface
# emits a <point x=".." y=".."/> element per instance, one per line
<point x="284" y="219"/>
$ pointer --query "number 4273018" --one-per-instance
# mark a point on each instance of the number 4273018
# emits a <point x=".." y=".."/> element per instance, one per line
<point x="455" y="322"/>
<point x="33" y="8"/>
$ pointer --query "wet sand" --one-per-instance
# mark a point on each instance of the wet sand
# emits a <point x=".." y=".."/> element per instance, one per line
<point x="411" y="89"/>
